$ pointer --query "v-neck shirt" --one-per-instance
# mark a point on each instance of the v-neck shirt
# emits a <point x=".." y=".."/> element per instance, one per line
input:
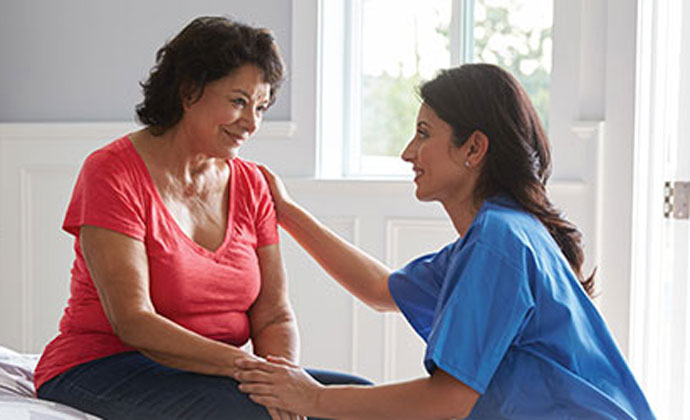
<point x="208" y="292"/>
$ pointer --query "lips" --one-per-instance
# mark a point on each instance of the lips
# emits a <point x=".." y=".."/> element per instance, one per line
<point x="417" y="172"/>
<point x="237" y="138"/>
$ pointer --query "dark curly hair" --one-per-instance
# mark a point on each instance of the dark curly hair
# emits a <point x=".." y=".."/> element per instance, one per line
<point x="487" y="98"/>
<point x="207" y="49"/>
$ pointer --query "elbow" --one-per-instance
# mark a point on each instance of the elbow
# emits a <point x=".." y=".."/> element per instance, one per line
<point x="463" y="412"/>
<point x="384" y="304"/>
<point x="381" y="306"/>
<point x="282" y="317"/>
<point x="463" y="407"/>
<point x="127" y="333"/>
<point x="455" y="399"/>
<point x="380" y="298"/>
<point x="131" y="329"/>
<point x="462" y="404"/>
<point x="456" y="412"/>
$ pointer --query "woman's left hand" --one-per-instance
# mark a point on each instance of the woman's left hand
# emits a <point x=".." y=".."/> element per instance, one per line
<point x="278" y="383"/>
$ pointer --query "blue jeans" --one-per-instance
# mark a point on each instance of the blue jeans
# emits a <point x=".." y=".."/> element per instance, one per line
<point x="131" y="386"/>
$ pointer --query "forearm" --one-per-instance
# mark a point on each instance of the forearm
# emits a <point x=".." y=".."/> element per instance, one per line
<point x="417" y="399"/>
<point x="359" y="273"/>
<point x="119" y="268"/>
<point x="279" y="338"/>
<point x="175" y="346"/>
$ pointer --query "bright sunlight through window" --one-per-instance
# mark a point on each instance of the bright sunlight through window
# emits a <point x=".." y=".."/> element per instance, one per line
<point x="375" y="53"/>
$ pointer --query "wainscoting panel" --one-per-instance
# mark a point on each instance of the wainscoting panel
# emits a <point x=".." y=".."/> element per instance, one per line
<point x="45" y="263"/>
<point x="408" y="239"/>
<point x="324" y="310"/>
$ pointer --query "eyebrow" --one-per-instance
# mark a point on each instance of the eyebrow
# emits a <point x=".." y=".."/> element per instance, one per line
<point x="243" y="92"/>
<point x="248" y="96"/>
<point x="423" y="123"/>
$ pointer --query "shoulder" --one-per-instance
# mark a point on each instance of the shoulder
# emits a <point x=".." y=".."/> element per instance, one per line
<point x="507" y="229"/>
<point x="115" y="167"/>
<point x="248" y="172"/>
<point x="436" y="262"/>
<point x="503" y="216"/>
<point x="114" y="158"/>
<point x="246" y="166"/>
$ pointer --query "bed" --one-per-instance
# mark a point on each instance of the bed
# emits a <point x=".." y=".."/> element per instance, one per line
<point x="17" y="399"/>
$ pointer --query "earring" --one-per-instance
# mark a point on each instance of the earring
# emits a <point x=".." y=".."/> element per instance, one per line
<point x="467" y="164"/>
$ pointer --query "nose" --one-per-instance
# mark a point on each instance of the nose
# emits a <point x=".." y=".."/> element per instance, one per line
<point x="251" y="120"/>
<point x="409" y="151"/>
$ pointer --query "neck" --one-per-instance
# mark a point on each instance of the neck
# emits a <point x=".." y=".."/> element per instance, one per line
<point x="462" y="212"/>
<point x="193" y="172"/>
<point x="184" y="161"/>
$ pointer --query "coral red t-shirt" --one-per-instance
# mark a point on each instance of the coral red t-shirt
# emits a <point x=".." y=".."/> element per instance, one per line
<point x="208" y="292"/>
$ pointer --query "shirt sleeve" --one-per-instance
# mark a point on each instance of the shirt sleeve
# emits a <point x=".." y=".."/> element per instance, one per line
<point x="415" y="288"/>
<point x="485" y="301"/>
<point x="106" y="195"/>
<point x="266" y="220"/>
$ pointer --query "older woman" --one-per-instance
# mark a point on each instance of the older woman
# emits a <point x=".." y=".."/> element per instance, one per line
<point x="510" y="330"/>
<point x="177" y="260"/>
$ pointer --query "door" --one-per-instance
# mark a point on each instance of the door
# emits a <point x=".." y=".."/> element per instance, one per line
<point x="660" y="327"/>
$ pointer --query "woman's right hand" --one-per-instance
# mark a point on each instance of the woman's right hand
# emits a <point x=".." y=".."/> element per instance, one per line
<point x="277" y="383"/>
<point x="281" y="198"/>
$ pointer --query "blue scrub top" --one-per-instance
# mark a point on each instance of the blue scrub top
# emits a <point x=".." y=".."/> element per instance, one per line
<point x="501" y="310"/>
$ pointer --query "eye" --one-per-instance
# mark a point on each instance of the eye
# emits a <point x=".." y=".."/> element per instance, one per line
<point x="422" y="134"/>
<point x="241" y="102"/>
<point x="261" y="109"/>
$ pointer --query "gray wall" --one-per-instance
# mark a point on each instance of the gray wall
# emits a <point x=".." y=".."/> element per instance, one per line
<point x="82" y="60"/>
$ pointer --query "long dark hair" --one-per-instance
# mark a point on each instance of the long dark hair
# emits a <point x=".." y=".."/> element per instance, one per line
<point x="207" y="49"/>
<point x="487" y="98"/>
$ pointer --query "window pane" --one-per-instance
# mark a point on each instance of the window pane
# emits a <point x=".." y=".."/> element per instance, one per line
<point x="516" y="35"/>
<point x="404" y="42"/>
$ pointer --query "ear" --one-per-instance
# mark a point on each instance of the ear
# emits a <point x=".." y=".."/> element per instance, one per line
<point x="477" y="146"/>
<point x="188" y="95"/>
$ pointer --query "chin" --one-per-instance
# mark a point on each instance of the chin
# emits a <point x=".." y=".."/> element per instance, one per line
<point x="421" y="196"/>
<point x="426" y="195"/>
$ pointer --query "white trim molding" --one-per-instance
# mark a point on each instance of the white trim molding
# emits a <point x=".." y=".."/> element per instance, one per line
<point x="64" y="130"/>
<point x="276" y="130"/>
<point x="268" y="130"/>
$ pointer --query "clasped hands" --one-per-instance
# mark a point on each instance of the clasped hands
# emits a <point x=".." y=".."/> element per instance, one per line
<point x="279" y="385"/>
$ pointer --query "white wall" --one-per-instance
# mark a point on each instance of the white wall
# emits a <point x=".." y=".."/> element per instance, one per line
<point x="80" y="60"/>
<point x="591" y="129"/>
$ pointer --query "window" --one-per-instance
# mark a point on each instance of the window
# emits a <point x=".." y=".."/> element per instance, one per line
<point x="375" y="53"/>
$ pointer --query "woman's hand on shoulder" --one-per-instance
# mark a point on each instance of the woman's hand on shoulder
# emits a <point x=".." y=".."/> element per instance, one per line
<point x="281" y="198"/>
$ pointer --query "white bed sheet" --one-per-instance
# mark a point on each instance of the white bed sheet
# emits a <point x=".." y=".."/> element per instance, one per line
<point x="17" y="399"/>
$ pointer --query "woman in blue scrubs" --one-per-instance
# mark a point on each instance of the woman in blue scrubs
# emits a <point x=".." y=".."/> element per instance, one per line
<point x="505" y="310"/>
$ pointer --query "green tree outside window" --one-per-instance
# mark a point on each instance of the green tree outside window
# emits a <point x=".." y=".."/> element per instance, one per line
<point x="504" y="34"/>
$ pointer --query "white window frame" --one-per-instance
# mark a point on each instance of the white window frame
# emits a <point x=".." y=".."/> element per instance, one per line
<point x="339" y="97"/>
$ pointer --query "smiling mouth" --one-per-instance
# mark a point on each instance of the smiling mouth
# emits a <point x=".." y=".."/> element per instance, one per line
<point x="237" y="138"/>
